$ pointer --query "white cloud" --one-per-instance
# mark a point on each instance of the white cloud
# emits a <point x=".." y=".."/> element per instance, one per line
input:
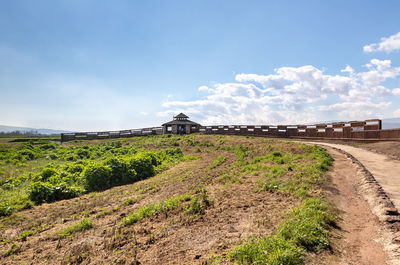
<point x="356" y="110"/>
<point x="387" y="44"/>
<point x="292" y="95"/>
<point x="396" y="91"/>
<point x="396" y="113"/>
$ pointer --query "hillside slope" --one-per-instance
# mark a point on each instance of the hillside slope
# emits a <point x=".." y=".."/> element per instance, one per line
<point x="234" y="199"/>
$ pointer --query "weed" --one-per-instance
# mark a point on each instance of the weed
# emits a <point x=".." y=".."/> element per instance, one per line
<point x="218" y="161"/>
<point x="14" y="248"/>
<point x="84" y="224"/>
<point x="308" y="224"/>
<point x="198" y="204"/>
<point x="305" y="229"/>
<point x="153" y="209"/>
<point x="24" y="235"/>
<point x="270" y="250"/>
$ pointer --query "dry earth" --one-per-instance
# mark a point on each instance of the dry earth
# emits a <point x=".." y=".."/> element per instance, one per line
<point x="237" y="212"/>
<point x="370" y="193"/>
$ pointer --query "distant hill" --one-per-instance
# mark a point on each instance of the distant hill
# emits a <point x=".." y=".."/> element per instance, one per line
<point x="392" y="123"/>
<point x="7" y="129"/>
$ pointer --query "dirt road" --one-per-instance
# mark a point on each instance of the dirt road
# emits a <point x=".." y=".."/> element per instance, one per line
<point x="357" y="241"/>
<point x="366" y="237"/>
<point x="385" y="169"/>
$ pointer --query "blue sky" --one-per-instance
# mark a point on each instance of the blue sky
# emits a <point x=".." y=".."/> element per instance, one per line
<point x="104" y="65"/>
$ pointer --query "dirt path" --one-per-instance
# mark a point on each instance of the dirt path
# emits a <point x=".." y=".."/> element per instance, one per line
<point x="356" y="240"/>
<point x="384" y="169"/>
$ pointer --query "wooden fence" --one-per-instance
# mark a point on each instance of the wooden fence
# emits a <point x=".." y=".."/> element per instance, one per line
<point x="110" y="134"/>
<point x="368" y="130"/>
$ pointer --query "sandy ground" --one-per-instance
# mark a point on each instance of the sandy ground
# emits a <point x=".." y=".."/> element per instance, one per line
<point x="385" y="169"/>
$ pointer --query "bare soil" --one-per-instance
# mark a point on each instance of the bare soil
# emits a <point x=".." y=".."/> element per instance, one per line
<point x="391" y="149"/>
<point x="356" y="241"/>
<point x="237" y="212"/>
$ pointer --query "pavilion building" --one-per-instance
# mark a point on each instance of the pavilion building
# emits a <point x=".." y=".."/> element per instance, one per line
<point x="180" y="125"/>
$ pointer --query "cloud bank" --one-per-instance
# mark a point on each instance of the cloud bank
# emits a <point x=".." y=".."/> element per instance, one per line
<point x="387" y="44"/>
<point x="293" y="95"/>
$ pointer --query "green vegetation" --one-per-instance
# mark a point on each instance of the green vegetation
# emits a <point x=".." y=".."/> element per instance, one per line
<point x="239" y="172"/>
<point x="198" y="204"/>
<point x="82" y="225"/>
<point x="305" y="229"/>
<point x="14" y="248"/>
<point x="155" y="209"/>
<point x="34" y="173"/>
<point x="218" y="161"/>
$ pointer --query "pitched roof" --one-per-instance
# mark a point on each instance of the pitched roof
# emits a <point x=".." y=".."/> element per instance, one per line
<point x="181" y="115"/>
<point x="180" y="122"/>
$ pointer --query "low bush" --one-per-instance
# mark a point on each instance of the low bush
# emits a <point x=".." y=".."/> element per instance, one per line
<point x="143" y="164"/>
<point x="121" y="173"/>
<point x="47" y="173"/>
<point x="97" y="177"/>
<point x="40" y="192"/>
<point x="27" y="154"/>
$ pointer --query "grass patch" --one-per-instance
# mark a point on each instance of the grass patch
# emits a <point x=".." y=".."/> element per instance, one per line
<point x="305" y="229"/>
<point x="218" y="161"/>
<point x="84" y="224"/>
<point x="307" y="225"/>
<point x="271" y="250"/>
<point x="153" y="209"/>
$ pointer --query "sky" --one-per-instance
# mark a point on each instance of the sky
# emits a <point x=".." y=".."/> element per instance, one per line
<point x="90" y="65"/>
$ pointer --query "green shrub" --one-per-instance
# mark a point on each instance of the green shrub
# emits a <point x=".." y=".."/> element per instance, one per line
<point x="116" y="144"/>
<point x="143" y="164"/>
<point x="83" y="153"/>
<point x="47" y="173"/>
<point x="53" y="156"/>
<point x="71" y="158"/>
<point x="97" y="177"/>
<point x="5" y="208"/>
<point x="12" y="250"/>
<point x="40" y="192"/>
<point x="47" y="146"/>
<point x="27" y="154"/>
<point x="75" y="168"/>
<point x="121" y="173"/>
